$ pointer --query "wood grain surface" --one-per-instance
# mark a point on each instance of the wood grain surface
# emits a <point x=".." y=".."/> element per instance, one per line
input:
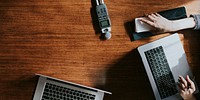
<point x="60" y="38"/>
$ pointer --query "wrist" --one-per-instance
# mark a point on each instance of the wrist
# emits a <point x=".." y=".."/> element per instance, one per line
<point x="192" y="22"/>
<point x="191" y="98"/>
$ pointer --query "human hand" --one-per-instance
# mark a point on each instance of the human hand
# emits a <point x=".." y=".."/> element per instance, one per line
<point x="160" y="23"/>
<point x="187" y="88"/>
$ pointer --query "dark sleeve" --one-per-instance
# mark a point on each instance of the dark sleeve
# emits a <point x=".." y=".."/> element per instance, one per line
<point x="197" y="96"/>
<point x="197" y="21"/>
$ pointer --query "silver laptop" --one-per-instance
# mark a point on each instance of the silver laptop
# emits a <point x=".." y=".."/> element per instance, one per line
<point x="49" y="88"/>
<point x="164" y="60"/>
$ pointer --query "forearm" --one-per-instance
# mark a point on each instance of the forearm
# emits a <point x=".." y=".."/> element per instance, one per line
<point x="183" y="24"/>
<point x="192" y="98"/>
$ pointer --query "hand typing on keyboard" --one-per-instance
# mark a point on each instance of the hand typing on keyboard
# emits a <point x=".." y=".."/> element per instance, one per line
<point x="187" y="88"/>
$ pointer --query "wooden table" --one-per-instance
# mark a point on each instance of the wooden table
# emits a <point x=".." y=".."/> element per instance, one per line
<point x="60" y="38"/>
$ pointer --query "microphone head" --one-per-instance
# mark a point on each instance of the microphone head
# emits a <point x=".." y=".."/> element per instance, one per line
<point x="107" y="35"/>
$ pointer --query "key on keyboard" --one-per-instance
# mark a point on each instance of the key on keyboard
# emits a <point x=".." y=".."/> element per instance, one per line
<point x="161" y="72"/>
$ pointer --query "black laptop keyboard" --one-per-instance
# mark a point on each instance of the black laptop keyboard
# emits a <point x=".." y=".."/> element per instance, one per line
<point x="161" y="72"/>
<point x="55" y="92"/>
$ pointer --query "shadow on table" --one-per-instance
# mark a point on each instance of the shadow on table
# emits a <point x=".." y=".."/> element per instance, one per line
<point x="127" y="79"/>
<point x="21" y="88"/>
<point x="94" y="17"/>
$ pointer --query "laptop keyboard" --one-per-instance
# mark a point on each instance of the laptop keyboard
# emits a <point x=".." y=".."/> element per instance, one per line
<point x="161" y="72"/>
<point x="55" y="92"/>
